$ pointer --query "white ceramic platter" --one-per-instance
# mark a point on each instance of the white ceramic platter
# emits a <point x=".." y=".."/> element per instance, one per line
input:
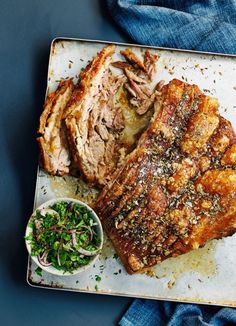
<point x="205" y="275"/>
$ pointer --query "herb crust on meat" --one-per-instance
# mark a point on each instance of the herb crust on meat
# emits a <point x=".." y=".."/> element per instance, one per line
<point x="177" y="189"/>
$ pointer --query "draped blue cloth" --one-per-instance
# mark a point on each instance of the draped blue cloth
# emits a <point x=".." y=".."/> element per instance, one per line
<point x="162" y="313"/>
<point x="204" y="25"/>
<point x="208" y="25"/>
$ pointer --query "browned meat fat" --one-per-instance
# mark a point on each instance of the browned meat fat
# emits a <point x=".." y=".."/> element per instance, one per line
<point x="177" y="189"/>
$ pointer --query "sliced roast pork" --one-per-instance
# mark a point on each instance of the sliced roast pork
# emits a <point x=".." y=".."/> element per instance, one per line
<point x="93" y="121"/>
<point x="97" y="121"/>
<point x="54" y="152"/>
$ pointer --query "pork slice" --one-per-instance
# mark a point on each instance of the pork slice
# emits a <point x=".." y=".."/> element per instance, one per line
<point x="54" y="151"/>
<point x="132" y="76"/>
<point x="131" y="57"/>
<point x="90" y="120"/>
<point x="118" y="122"/>
<point x="150" y="60"/>
<point x="121" y="65"/>
<point x="146" y="104"/>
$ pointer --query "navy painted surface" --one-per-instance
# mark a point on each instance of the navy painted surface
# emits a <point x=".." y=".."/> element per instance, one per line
<point x="26" y="30"/>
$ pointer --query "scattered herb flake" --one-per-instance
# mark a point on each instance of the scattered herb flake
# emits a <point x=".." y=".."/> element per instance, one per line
<point x="98" y="278"/>
<point x="38" y="271"/>
<point x="77" y="190"/>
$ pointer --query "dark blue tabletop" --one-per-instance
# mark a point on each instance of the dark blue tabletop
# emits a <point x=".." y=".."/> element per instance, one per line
<point x="26" y="30"/>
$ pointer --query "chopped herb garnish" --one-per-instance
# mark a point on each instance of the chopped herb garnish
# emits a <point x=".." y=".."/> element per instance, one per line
<point x="63" y="236"/>
<point x="38" y="271"/>
<point x="77" y="190"/>
<point x="115" y="256"/>
<point x="96" y="287"/>
<point x="98" y="278"/>
<point x="29" y="237"/>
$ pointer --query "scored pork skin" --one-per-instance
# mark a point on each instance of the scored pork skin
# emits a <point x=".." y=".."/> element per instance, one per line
<point x="177" y="189"/>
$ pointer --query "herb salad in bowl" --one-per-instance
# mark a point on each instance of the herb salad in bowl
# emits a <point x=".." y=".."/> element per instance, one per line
<point x="64" y="236"/>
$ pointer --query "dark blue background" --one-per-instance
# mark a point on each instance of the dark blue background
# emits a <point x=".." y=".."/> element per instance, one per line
<point x="26" y="30"/>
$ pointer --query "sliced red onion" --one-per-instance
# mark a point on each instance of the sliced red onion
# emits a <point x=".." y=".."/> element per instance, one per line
<point x="89" y="229"/>
<point x="43" y="259"/>
<point x="82" y="251"/>
<point x="51" y="211"/>
<point x="87" y="252"/>
<point x="58" y="258"/>
<point x="74" y="240"/>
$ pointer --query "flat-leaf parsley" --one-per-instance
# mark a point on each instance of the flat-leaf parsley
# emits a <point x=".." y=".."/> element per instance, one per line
<point x="63" y="236"/>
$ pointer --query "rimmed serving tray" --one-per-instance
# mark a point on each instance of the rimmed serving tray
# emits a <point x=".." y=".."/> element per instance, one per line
<point x="205" y="275"/>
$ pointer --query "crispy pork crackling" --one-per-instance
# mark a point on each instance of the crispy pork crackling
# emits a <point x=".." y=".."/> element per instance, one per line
<point x="177" y="189"/>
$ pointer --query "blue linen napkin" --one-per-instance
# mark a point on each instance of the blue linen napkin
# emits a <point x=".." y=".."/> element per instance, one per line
<point x="158" y="313"/>
<point x="204" y="25"/>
